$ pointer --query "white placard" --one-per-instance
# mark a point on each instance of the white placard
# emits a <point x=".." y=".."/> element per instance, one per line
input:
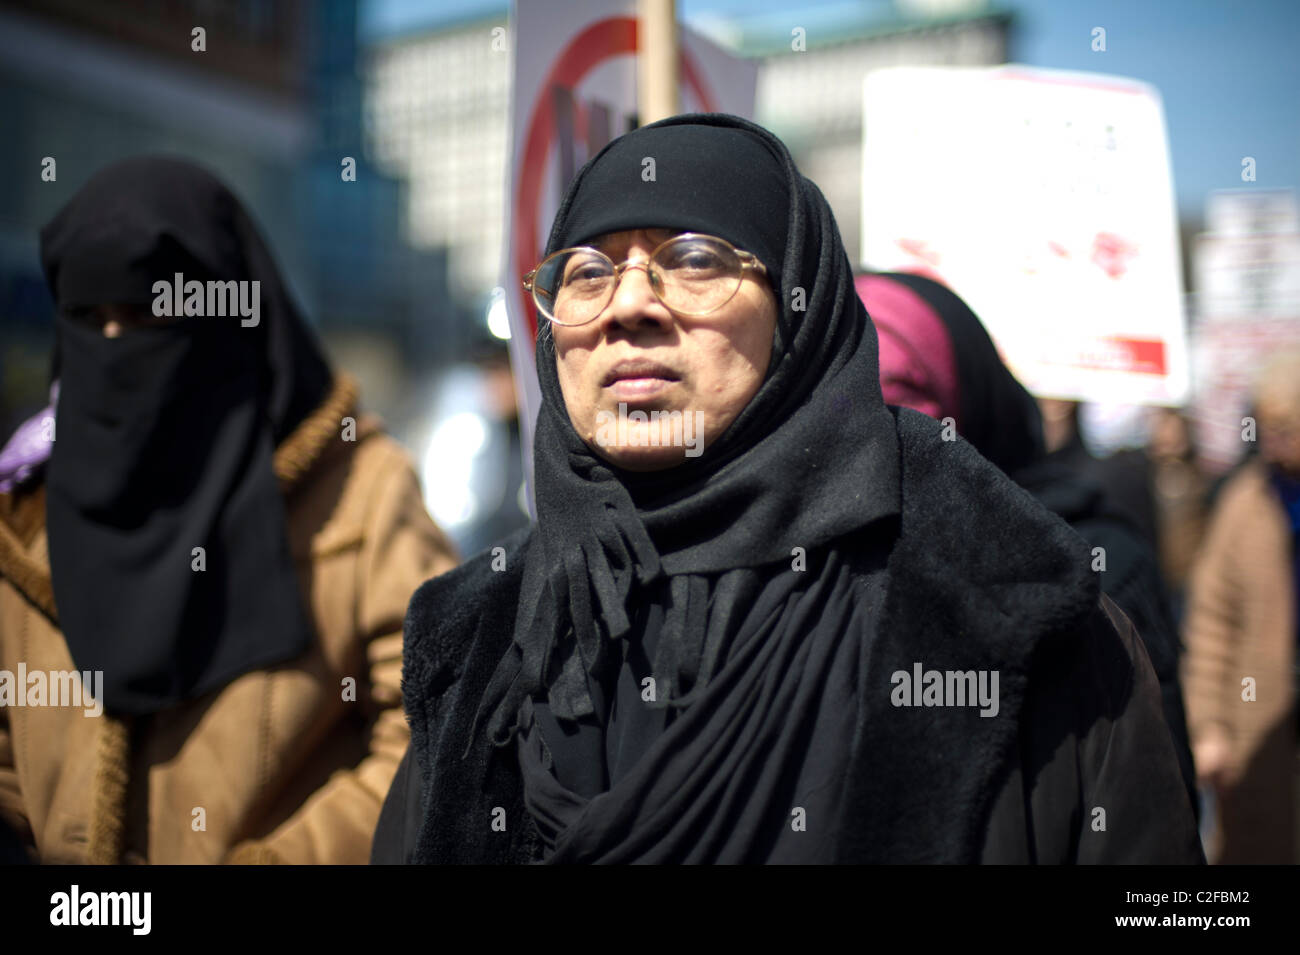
<point x="1045" y="200"/>
<point x="1232" y="212"/>
<point x="1247" y="277"/>
<point x="1247" y="272"/>
<point x="1228" y="357"/>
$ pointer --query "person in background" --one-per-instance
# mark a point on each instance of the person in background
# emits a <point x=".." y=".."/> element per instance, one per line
<point x="937" y="357"/>
<point x="1241" y="634"/>
<point x="1180" y="490"/>
<point x="1160" y="489"/>
<point x="216" y="538"/>
<point x="499" y="465"/>
<point x="1123" y="475"/>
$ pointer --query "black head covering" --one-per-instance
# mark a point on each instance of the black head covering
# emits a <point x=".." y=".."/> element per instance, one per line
<point x="998" y="416"/>
<point x="164" y="442"/>
<point x="709" y="179"/>
<point x="811" y="458"/>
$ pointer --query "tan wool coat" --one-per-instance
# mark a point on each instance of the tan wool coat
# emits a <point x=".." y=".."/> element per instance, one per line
<point x="286" y="764"/>
<point x="1241" y="624"/>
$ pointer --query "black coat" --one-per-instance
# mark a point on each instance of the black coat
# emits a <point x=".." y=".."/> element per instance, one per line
<point x="1077" y="766"/>
<point x="1066" y="483"/>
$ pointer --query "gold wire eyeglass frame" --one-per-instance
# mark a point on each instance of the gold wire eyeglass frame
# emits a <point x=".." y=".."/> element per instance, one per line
<point x="747" y="261"/>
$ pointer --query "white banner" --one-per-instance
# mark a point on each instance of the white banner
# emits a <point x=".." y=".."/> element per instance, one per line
<point x="1247" y="277"/>
<point x="1045" y="200"/>
<point x="574" y="90"/>
<point x="1247" y="269"/>
<point x="1233" y="212"/>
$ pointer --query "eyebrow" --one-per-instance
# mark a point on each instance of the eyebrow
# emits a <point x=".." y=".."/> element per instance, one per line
<point x="657" y="235"/>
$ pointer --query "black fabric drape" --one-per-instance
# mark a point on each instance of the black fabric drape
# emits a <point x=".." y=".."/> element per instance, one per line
<point x="753" y="771"/>
<point x="165" y="438"/>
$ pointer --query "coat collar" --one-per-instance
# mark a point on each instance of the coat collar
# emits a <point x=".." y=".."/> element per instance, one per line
<point x="980" y="578"/>
<point x="22" y="514"/>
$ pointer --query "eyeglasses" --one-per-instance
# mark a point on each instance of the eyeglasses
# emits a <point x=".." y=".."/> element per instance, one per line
<point x="691" y="274"/>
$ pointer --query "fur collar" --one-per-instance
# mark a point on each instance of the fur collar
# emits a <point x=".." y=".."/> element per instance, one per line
<point x="981" y="578"/>
<point x="22" y="514"/>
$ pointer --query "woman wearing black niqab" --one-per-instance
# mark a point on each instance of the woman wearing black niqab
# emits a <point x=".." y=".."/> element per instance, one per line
<point x="165" y="439"/>
<point x="220" y="545"/>
<point x="695" y="663"/>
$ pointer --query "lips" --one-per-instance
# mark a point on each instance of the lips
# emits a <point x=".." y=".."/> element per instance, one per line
<point x="639" y="369"/>
<point x="638" y="378"/>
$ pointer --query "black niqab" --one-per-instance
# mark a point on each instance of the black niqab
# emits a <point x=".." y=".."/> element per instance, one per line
<point x="165" y="438"/>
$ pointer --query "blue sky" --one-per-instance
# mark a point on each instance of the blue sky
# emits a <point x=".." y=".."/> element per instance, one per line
<point x="1229" y="70"/>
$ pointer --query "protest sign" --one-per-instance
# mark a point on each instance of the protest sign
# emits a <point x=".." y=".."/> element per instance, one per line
<point x="1045" y="200"/>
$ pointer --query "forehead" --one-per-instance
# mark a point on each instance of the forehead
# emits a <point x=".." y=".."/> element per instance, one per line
<point x="624" y="238"/>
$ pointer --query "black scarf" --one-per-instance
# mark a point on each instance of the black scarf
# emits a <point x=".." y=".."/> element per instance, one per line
<point x="164" y="442"/>
<point x="811" y="458"/>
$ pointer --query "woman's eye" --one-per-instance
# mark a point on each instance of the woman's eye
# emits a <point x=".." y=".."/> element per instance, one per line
<point x="587" y="273"/>
<point x="696" y="260"/>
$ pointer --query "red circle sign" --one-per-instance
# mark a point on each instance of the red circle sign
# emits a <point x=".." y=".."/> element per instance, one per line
<point x="601" y="41"/>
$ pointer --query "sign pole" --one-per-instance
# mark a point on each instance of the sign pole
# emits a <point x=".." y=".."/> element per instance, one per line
<point x="657" y="60"/>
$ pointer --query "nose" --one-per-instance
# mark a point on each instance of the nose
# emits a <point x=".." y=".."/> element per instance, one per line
<point x="634" y="304"/>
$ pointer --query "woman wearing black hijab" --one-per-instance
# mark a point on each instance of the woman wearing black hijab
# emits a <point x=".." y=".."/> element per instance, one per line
<point x="216" y="543"/>
<point x="707" y="658"/>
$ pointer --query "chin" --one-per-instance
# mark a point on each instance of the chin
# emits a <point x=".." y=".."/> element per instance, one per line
<point x="648" y="466"/>
<point x="637" y="437"/>
<point x="632" y="458"/>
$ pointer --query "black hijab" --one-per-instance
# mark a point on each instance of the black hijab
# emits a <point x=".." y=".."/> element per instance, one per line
<point x="997" y="414"/>
<point x="164" y="442"/>
<point x="811" y="458"/>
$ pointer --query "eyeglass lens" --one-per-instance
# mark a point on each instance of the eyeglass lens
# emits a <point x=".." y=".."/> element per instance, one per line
<point x="692" y="276"/>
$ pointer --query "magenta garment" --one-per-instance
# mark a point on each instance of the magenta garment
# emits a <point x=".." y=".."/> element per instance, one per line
<point x="917" y="367"/>
<point x="27" y="449"/>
